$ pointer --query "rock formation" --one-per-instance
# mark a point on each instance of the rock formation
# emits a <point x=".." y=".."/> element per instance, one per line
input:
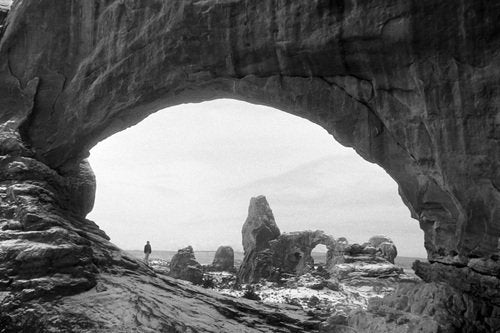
<point x="292" y="251"/>
<point x="275" y="254"/>
<point x="410" y="85"/>
<point x="430" y="308"/>
<point x="268" y="254"/>
<point x="259" y="228"/>
<point x="355" y="264"/>
<point x="185" y="267"/>
<point x="223" y="259"/>
<point x="160" y="303"/>
<point x="385" y="246"/>
<point x="379" y="249"/>
<point x="3" y="16"/>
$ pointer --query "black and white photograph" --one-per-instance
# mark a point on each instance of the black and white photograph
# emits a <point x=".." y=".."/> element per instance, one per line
<point x="249" y="166"/>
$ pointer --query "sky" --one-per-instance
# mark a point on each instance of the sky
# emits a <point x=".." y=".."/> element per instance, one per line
<point x="185" y="176"/>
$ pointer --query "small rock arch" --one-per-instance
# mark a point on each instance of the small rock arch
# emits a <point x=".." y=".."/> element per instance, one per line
<point x="292" y="251"/>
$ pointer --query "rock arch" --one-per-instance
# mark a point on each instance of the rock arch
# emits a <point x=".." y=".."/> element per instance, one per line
<point x="292" y="251"/>
<point x="412" y="86"/>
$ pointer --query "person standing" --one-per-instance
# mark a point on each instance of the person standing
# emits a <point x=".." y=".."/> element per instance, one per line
<point x="147" y="252"/>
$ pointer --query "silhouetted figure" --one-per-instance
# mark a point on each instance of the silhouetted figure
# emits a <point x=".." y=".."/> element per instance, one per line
<point x="147" y="252"/>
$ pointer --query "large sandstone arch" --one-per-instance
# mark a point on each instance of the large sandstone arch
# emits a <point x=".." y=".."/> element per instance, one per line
<point x="411" y="85"/>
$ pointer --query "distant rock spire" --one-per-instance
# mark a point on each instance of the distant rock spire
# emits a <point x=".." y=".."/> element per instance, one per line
<point x="258" y="230"/>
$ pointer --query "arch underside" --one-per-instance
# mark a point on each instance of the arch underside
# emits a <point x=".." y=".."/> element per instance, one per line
<point x="411" y="86"/>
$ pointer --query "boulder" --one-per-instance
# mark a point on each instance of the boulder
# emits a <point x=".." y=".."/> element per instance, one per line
<point x="371" y="263"/>
<point x="224" y="259"/>
<point x="257" y="232"/>
<point x="185" y="267"/>
<point x="376" y="240"/>
<point x="388" y="251"/>
<point x="378" y="249"/>
<point x="385" y="246"/>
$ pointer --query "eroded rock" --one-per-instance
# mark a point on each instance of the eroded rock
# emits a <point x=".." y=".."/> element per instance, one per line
<point x="412" y="86"/>
<point x="425" y="307"/>
<point x="292" y="251"/>
<point x="258" y="230"/>
<point x="122" y="301"/>
<point x="379" y="249"/>
<point x="223" y="259"/>
<point x="185" y="267"/>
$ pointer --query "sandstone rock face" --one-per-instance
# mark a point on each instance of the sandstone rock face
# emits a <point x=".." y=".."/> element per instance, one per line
<point x="120" y="302"/>
<point x="379" y="249"/>
<point x="268" y="254"/>
<point x="258" y="230"/>
<point x="185" y="267"/>
<point x="369" y="264"/>
<point x="224" y="259"/>
<point x="411" y="85"/>
<point x="388" y="251"/>
<point x="424" y="307"/>
<point x="3" y="16"/>
<point x="385" y="246"/>
<point x="292" y="251"/>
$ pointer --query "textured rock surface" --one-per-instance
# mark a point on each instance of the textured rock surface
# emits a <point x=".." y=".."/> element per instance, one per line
<point x="224" y="259"/>
<point x="378" y="249"/>
<point x="425" y="307"/>
<point x="292" y="251"/>
<point x="411" y="85"/>
<point x="385" y="246"/>
<point x="3" y="17"/>
<point x="278" y="255"/>
<point x="185" y="267"/>
<point x="132" y="302"/>
<point x="258" y="230"/>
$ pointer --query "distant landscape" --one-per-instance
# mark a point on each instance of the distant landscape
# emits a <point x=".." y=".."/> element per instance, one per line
<point x="206" y="257"/>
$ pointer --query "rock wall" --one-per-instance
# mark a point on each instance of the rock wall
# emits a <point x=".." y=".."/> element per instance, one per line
<point x="411" y="85"/>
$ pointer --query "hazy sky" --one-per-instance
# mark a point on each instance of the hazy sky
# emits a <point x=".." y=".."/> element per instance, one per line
<point x="185" y="176"/>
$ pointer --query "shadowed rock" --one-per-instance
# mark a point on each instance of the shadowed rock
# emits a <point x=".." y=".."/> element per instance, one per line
<point x="258" y="230"/>
<point x="292" y="251"/>
<point x="223" y="259"/>
<point x="185" y="267"/>
<point x="410" y="310"/>
<point x="410" y="85"/>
